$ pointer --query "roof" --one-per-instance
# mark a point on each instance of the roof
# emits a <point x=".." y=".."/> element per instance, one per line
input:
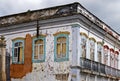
<point x="53" y="12"/>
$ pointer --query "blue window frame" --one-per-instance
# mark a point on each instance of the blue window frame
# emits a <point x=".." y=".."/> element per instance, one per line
<point x="39" y="50"/>
<point x="18" y="51"/>
<point x="61" y="47"/>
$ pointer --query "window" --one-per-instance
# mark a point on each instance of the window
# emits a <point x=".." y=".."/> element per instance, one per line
<point x="112" y="57"/>
<point x="62" y="77"/>
<point x="106" y="48"/>
<point x="83" y="44"/>
<point x="92" y="48"/>
<point x="39" y="49"/>
<point x="18" y="51"/>
<point x="116" y="59"/>
<point x="99" y="51"/>
<point x="61" y="46"/>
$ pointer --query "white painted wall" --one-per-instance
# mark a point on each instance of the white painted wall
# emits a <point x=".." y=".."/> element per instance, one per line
<point x="45" y="71"/>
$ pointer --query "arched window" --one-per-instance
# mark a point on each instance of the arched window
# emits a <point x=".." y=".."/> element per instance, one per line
<point x="112" y="57"/>
<point x="83" y="44"/>
<point x="18" y="50"/>
<point x="99" y="51"/>
<point x="106" y="49"/>
<point x="92" y="48"/>
<point x="39" y="49"/>
<point x="116" y="59"/>
<point x="61" y="46"/>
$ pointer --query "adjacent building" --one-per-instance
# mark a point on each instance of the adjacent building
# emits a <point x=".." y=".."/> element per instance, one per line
<point x="62" y="43"/>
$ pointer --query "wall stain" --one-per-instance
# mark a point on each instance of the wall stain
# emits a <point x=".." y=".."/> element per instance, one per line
<point x="20" y="70"/>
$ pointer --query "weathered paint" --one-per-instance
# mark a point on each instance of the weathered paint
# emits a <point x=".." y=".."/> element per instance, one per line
<point x="43" y="37"/>
<point x="51" y="70"/>
<point x="48" y="70"/>
<point x="66" y="58"/>
<point x="3" y="59"/>
<point x="20" y="70"/>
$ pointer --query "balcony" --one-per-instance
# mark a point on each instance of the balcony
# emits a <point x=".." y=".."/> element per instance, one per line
<point x="99" y="68"/>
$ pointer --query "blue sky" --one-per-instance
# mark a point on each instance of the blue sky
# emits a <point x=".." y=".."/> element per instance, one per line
<point x="106" y="10"/>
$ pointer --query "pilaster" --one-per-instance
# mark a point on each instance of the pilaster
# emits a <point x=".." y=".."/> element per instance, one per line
<point x="3" y="60"/>
<point x="75" y="70"/>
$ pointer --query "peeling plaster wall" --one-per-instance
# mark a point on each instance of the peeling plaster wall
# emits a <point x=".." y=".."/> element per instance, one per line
<point x="98" y="38"/>
<point x="45" y="71"/>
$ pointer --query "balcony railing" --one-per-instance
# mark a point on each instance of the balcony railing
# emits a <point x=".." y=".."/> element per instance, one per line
<point x="94" y="66"/>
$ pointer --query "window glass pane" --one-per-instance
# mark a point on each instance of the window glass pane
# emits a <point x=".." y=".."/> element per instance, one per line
<point x="18" y="52"/>
<point x="36" y="52"/>
<point x="58" y="50"/>
<point x="21" y="57"/>
<point x="99" y="51"/>
<point x="83" y="46"/>
<point x="40" y="41"/>
<point x="16" y="44"/>
<point x="106" y="56"/>
<point x="63" y="49"/>
<point x="99" y="56"/>
<point x="41" y="50"/>
<point x="61" y="39"/>
<point x="15" y="52"/>
<point x="92" y="49"/>
<point x="20" y="44"/>
<point x="111" y="59"/>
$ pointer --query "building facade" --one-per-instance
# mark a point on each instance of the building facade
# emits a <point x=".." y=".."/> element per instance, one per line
<point x="62" y="43"/>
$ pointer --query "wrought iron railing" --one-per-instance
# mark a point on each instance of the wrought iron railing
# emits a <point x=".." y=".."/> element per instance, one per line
<point x="99" y="67"/>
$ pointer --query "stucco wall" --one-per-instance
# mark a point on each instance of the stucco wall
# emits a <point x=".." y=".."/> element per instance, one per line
<point x="44" y="71"/>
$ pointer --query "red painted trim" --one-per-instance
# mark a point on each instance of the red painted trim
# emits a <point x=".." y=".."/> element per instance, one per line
<point x="106" y="46"/>
<point x="111" y="50"/>
<point x="116" y="52"/>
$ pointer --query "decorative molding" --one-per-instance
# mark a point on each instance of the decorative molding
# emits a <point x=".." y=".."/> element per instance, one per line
<point x="18" y="38"/>
<point x="61" y="32"/>
<point x="82" y="33"/>
<point x="99" y="42"/>
<point x="116" y="52"/>
<point x="91" y="38"/>
<point x="75" y="25"/>
<point x="54" y="12"/>
<point x="40" y="35"/>
<point x="111" y="50"/>
<point x="106" y="46"/>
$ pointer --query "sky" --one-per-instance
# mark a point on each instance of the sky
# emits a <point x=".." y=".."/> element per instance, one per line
<point x="106" y="10"/>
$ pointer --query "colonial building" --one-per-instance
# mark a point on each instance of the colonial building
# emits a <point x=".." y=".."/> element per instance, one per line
<point x="62" y="43"/>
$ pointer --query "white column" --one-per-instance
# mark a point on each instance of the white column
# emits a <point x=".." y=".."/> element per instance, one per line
<point x="88" y="49"/>
<point x="75" y="70"/>
<point x="103" y="55"/>
<point x="75" y="45"/>
<point x="119" y="61"/>
<point x="108" y="58"/>
<point x="96" y="78"/>
<point x="96" y="55"/>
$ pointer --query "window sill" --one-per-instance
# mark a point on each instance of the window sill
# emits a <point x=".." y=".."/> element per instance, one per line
<point x="61" y="59"/>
